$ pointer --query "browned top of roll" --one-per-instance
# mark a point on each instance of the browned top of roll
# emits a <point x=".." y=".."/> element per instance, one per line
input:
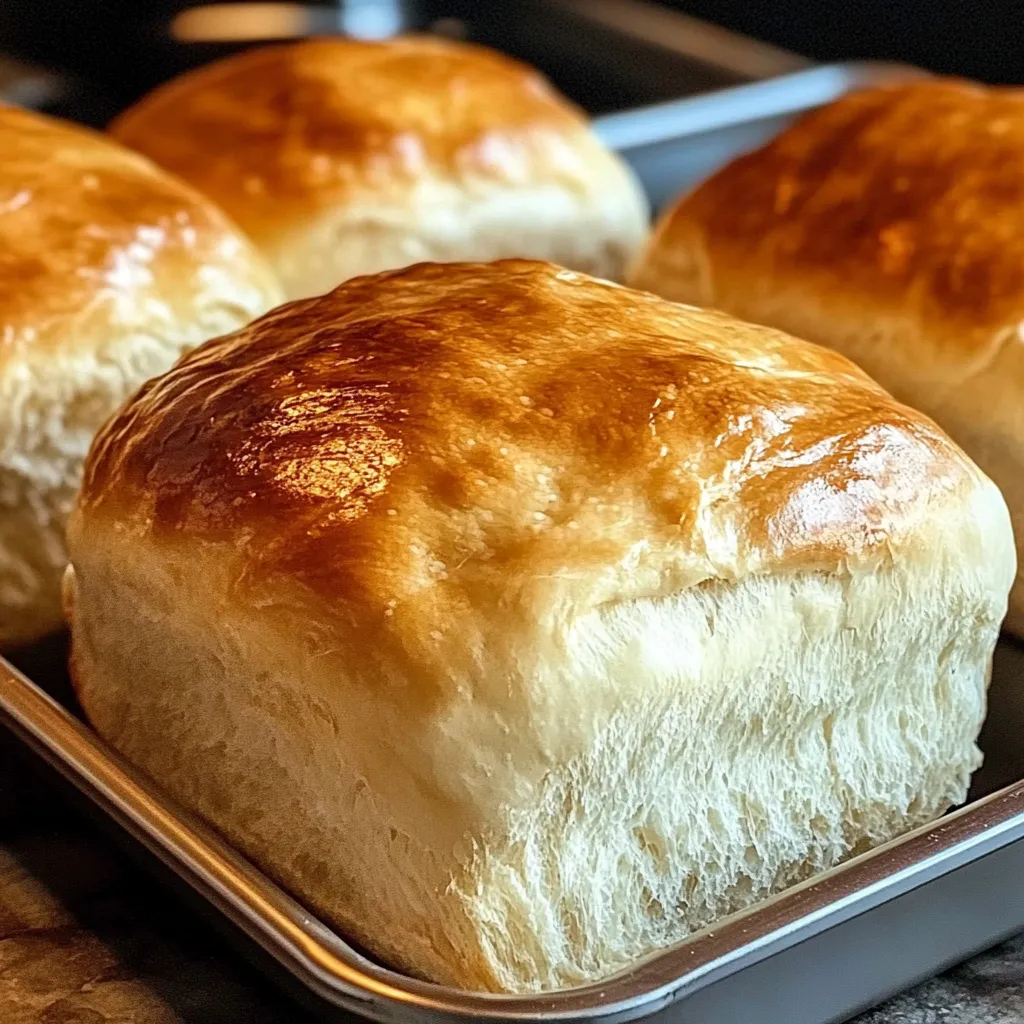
<point x="906" y="200"/>
<point x="93" y="233"/>
<point x="468" y="431"/>
<point x="305" y="123"/>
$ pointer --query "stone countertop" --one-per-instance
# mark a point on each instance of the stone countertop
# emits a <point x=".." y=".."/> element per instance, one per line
<point x="86" y="937"/>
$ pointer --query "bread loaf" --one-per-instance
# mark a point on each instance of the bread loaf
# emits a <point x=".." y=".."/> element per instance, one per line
<point x="890" y="227"/>
<point x="109" y="270"/>
<point x="342" y="157"/>
<point x="521" y="624"/>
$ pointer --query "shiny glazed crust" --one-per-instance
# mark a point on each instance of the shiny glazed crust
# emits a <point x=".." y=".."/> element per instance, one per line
<point x="420" y="392"/>
<point x="889" y="226"/>
<point x="342" y="157"/>
<point x="521" y="623"/>
<point x="109" y="270"/>
<point x="87" y="226"/>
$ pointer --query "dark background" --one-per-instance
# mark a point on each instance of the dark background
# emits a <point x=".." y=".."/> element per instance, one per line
<point x="982" y="40"/>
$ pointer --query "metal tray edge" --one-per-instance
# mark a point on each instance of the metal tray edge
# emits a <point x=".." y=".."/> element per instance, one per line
<point x="336" y="972"/>
<point x="769" y="98"/>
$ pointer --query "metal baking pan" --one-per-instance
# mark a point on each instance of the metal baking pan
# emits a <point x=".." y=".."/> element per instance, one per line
<point x="819" y="952"/>
<point x="675" y="145"/>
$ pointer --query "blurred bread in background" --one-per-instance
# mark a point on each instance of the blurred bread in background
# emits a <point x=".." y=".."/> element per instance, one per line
<point x="109" y="271"/>
<point x="889" y="226"/>
<point x="341" y="157"/>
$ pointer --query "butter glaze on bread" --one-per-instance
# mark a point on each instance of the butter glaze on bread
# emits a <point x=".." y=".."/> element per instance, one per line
<point x="521" y="623"/>
<point x="109" y="270"/>
<point x="342" y="157"/>
<point x="889" y="226"/>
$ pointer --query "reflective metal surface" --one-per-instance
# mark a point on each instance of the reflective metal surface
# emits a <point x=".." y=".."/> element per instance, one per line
<point x="672" y="146"/>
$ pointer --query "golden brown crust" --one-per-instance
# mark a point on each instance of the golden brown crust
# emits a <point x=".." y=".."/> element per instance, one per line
<point x="109" y="271"/>
<point x="445" y="429"/>
<point x="87" y="227"/>
<point x="909" y="198"/>
<point x="890" y="227"/>
<point x="280" y="131"/>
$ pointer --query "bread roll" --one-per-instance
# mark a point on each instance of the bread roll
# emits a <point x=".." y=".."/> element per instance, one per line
<point x="109" y="270"/>
<point x="342" y="158"/>
<point x="521" y="624"/>
<point x="889" y="226"/>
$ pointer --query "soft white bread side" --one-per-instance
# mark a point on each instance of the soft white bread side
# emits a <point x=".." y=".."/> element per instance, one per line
<point x="342" y="157"/>
<point x="109" y="270"/>
<point x="889" y="226"/>
<point x="522" y="624"/>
